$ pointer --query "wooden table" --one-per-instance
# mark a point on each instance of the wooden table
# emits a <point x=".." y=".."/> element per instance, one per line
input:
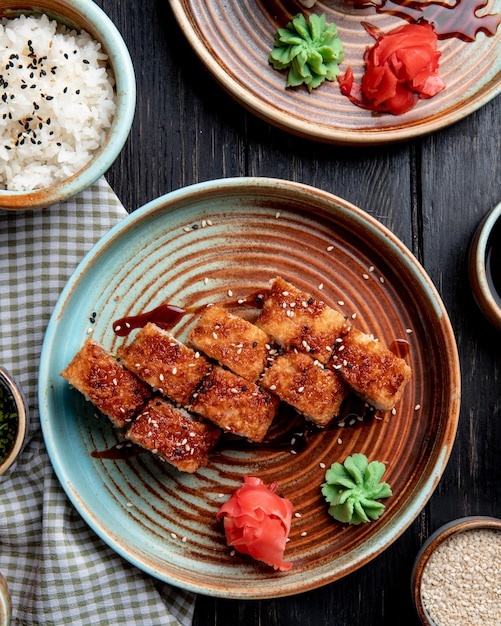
<point x="431" y="192"/>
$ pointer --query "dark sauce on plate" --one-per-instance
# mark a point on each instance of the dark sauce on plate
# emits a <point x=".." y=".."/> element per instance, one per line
<point x="457" y="19"/>
<point x="166" y="315"/>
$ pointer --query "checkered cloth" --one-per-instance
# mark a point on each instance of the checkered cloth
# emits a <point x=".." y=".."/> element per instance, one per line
<point x="58" y="570"/>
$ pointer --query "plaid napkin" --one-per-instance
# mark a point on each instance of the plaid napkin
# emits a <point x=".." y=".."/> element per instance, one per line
<point x="57" y="569"/>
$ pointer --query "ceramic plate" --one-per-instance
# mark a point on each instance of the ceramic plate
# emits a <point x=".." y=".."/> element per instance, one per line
<point x="191" y="247"/>
<point x="234" y="39"/>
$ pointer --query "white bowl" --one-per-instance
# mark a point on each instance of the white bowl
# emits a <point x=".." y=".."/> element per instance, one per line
<point x="82" y="15"/>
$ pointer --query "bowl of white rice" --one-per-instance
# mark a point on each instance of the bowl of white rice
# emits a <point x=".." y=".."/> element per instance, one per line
<point x="67" y="99"/>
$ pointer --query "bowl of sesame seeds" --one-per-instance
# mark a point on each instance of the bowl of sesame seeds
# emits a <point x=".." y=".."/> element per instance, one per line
<point x="456" y="576"/>
<point x="13" y="420"/>
<point x="67" y="99"/>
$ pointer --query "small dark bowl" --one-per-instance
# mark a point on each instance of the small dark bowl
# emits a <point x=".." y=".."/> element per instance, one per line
<point x="433" y="543"/>
<point x="13" y="388"/>
<point x="482" y="273"/>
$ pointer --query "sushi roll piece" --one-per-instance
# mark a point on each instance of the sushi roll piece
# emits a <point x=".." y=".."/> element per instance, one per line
<point x="297" y="320"/>
<point x="116" y="392"/>
<point x="174" y="435"/>
<point x="307" y="385"/>
<point x="232" y="341"/>
<point x="235" y="404"/>
<point x="167" y="365"/>
<point x="375" y="373"/>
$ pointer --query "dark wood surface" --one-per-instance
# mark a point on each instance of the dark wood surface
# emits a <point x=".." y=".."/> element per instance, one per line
<point x="431" y="192"/>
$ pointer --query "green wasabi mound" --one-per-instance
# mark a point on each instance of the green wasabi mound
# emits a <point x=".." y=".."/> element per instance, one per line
<point x="353" y="488"/>
<point x="310" y="51"/>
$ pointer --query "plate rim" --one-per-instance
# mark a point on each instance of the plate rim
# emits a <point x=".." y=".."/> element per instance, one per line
<point x="423" y="489"/>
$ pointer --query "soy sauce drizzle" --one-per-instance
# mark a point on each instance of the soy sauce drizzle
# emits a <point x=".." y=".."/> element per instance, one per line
<point x="166" y="315"/>
<point x="458" y="20"/>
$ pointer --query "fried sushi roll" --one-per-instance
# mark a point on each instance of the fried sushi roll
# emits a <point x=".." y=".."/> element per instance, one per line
<point x="375" y="373"/>
<point x="174" y="435"/>
<point x="232" y="341"/>
<point x="157" y="358"/>
<point x="297" y="320"/>
<point x="307" y="385"/>
<point x="235" y="404"/>
<point x="116" y="392"/>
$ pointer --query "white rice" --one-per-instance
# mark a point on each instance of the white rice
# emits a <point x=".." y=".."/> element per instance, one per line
<point x="57" y="101"/>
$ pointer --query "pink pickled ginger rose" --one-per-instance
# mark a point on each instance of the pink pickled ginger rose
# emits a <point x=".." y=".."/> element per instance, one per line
<point x="400" y="68"/>
<point x="257" y="522"/>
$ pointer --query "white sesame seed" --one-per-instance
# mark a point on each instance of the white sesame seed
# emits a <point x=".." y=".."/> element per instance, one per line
<point x="408" y="331"/>
<point x="339" y="440"/>
<point x="206" y="280"/>
<point x="340" y="302"/>
<point x="173" y="535"/>
<point x="417" y="407"/>
<point x="321" y="465"/>
<point x="321" y="286"/>
<point x="330" y="248"/>
<point x="174" y="370"/>
<point x="304" y="533"/>
<point x="381" y="279"/>
<point x="277" y="215"/>
<point x="300" y="390"/>
<point x="365" y="276"/>
<point x="297" y="515"/>
<point x="214" y="335"/>
<point x="230" y="293"/>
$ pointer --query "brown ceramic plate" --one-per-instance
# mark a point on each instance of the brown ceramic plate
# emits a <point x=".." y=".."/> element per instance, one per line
<point x="190" y="247"/>
<point x="234" y="39"/>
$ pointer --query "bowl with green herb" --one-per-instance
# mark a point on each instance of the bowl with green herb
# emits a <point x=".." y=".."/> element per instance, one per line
<point x="13" y="420"/>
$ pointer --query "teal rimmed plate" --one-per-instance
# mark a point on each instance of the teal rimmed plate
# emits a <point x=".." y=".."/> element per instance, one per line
<point x="194" y="246"/>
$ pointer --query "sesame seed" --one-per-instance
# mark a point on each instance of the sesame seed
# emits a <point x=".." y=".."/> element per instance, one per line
<point x="304" y="533"/>
<point x="321" y="286"/>
<point x="277" y="215"/>
<point x="339" y="440"/>
<point x="365" y="276"/>
<point x="230" y="293"/>
<point x="321" y="465"/>
<point x="206" y="280"/>
<point x="297" y="515"/>
<point x="330" y="248"/>
<point x="417" y="407"/>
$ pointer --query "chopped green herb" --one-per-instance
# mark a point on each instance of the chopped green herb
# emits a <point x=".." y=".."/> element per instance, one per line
<point x="310" y="51"/>
<point x="352" y="489"/>
<point x="8" y="421"/>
